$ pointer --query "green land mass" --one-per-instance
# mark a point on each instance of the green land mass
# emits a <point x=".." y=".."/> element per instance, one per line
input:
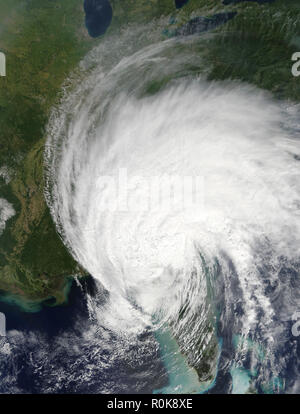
<point x="44" y="42"/>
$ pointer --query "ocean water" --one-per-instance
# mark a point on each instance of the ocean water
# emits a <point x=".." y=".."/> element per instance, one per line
<point x="64" y="350"/>
<point x="182" y="378"/>
<point x="223" y="271"/>
<point x="29" y="363"/>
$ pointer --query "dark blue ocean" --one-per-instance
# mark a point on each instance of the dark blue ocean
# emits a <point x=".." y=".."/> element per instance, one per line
<point x="63" y="349"/>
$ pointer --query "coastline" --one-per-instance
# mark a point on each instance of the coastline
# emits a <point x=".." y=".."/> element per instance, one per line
<point x="182" y="378"/>
<point x="34" y="306"/>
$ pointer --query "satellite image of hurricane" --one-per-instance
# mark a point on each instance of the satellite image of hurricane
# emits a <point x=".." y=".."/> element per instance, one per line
<point x="149" y="197"/>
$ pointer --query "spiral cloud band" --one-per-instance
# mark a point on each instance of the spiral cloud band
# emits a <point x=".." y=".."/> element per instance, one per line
<point x="234" y="153"/>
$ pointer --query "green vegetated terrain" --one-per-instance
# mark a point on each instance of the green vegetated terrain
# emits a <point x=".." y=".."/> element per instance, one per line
<point x="44" y="42"/>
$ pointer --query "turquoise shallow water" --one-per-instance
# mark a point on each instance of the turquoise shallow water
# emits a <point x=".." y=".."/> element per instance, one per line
<point x="183" y="379"/>
<point x="241" y="380"/>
